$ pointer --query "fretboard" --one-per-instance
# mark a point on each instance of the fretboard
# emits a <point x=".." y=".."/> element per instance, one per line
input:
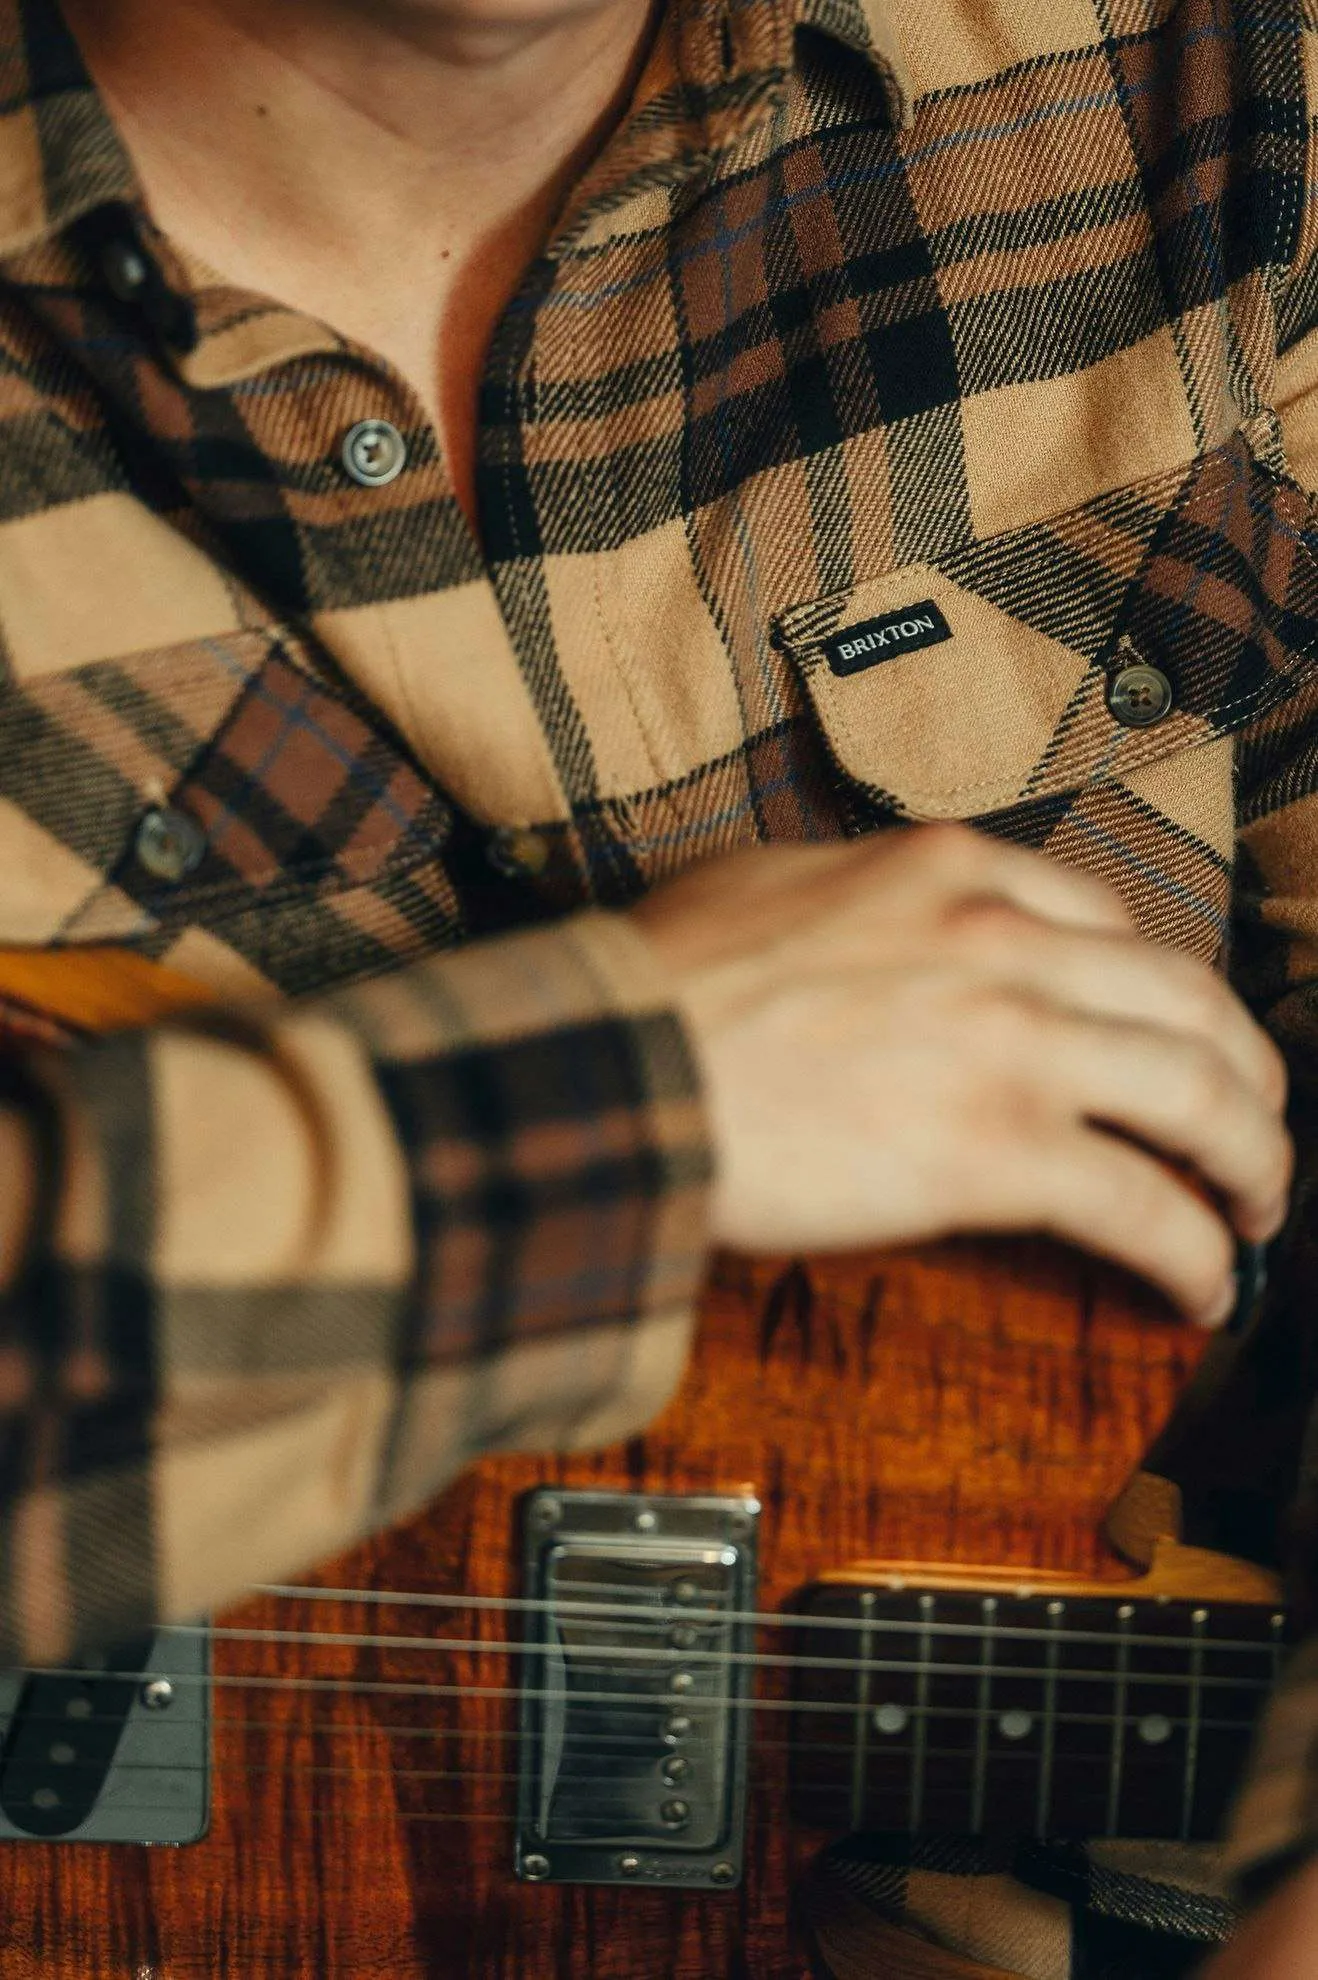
<point x="1029" y="1714"/>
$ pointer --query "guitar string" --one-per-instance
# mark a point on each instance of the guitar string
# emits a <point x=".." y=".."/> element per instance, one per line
<point x="890" y="1746"/>
<point x="672" y="1701"/>
<point x="625" y="1612"/>
<point x="604" y="1655"/>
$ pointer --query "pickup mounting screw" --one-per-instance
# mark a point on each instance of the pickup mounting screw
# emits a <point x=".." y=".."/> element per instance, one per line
<point x="676" y="1728"/>
<point x="723" y="1873"/>
<point x="686" y="1590"/>
<point x="684" y="1637"/>
<point x="535" y="1868"/>
<point x="739" y="1522"/>
<point x="629" y="1866"/>
<point x="158" y="1695"/>
<point x="675" y="1771"/>
<point x="548" y="1513"/>
<point x="675" y="1814"/>
<point x="646" y="1521"/>
<point x="681" y="1681"/>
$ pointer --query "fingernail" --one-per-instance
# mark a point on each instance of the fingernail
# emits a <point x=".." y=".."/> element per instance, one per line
<point x="1221" y="1310"/>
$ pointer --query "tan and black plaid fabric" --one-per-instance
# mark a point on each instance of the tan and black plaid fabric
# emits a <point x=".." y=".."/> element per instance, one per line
<point x="993" y="314"/>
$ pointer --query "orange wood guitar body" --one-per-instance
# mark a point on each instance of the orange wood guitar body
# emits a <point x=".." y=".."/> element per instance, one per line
<point x="971" y="1408"/>
<point x="951" y="1409"/>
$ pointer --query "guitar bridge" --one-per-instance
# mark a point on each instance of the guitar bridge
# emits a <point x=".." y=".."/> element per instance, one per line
<point x="635" y="1695"/>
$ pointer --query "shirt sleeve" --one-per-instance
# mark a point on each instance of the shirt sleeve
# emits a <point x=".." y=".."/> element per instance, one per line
<point x="288" y="1276"/>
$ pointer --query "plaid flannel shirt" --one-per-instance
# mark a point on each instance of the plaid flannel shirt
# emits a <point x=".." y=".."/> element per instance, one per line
<point x="991" y="317"/>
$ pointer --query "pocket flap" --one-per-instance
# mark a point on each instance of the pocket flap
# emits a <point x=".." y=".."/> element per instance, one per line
<point x="954" y="688"/>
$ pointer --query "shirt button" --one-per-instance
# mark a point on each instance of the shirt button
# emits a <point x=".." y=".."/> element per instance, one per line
<point x="125" y="268"/>
<point x="1140" y="695"/>
<point x="374" y="453"/>
<point x="169" y="845"/>
<point x="518" y="854"/>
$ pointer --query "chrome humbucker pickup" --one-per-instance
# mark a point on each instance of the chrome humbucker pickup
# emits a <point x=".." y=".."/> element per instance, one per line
<point x="635" y="1689"/>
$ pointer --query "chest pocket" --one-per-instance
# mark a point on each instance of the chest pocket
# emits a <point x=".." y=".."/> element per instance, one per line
<point x="1152" y="620"/>
<point x="220" y="787"/>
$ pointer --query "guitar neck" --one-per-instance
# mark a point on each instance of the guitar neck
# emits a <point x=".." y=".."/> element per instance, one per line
<point x="1029" y="1712"/>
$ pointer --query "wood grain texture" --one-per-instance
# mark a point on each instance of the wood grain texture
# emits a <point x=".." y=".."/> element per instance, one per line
<point x="976" y="1405"/>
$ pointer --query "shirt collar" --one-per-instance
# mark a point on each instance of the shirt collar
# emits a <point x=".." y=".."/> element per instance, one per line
<point x="716" y="68"/>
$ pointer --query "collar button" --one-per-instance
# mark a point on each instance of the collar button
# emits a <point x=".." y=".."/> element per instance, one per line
<point x="126" y="270"/>
<point x="374" y="453"/>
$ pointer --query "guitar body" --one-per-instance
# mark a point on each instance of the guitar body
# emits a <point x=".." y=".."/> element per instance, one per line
<point x="957" y="1409"/>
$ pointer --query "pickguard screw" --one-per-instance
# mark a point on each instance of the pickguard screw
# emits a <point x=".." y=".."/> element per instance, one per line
<point x="629" y="1866"/>
<point x="535" y="1868"/>
<point x="158" y="1696"/>
<point x="723" y="1873"/>
<point x="675" y="1814"/>
<point x="548" y="1513"/>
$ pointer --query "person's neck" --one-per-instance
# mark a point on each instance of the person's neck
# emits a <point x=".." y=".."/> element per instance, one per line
<point x="381" y="164"/>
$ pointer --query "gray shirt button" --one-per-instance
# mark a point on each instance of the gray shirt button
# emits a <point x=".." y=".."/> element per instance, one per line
<point x="518" y="854"/>
<point x="169" y="845"/>
<point x="374" y="453"/>
<point x="1140" y="695"/>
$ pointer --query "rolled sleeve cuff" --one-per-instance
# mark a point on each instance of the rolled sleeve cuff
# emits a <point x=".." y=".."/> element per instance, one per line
<point x="306" y="1267"/>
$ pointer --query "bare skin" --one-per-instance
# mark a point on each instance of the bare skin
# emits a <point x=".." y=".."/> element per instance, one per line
<point x="388" y="167"/>
<point x="922" y="1034"/>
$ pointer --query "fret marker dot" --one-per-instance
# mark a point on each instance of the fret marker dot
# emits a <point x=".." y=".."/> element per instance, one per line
<point x="1016" y="1725"/>
<point x="891" y="1719"/>
<point x="1154" y="1729"/>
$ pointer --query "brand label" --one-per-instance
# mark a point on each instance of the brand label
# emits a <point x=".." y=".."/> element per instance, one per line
<point x="862" y="646"/>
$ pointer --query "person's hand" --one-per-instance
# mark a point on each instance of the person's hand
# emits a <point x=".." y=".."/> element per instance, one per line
<point x="930" y="1032"/>
<point x="1279" y="1941"/>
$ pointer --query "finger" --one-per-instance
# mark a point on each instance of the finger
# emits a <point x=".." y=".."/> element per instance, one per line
<point x="1118" y="1202"/>
<point x="971" y="866"/>
<point x="1118" y="976"/>
<point x="1183" y="1098"/>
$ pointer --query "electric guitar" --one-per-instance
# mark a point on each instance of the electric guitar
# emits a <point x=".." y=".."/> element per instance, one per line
<point x="888" y="1561"/>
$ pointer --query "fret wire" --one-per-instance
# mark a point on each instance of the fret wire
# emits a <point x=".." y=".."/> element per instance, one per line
<point x="921" y="1724"/>
<point x="1277" y="1625"/>
<point x="983" y="1705"/>
<point x="1125" y="1615"/>
<point x="1197" y="1622"/>
<point x="860" y="1743"/>
<point x="1056" y="1610"/>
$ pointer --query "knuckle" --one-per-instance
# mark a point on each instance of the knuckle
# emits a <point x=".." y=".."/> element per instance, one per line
<point x="1200" y="1084"/>
<point x="1276" y="1074"/>
<point x="988" y="928"/>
